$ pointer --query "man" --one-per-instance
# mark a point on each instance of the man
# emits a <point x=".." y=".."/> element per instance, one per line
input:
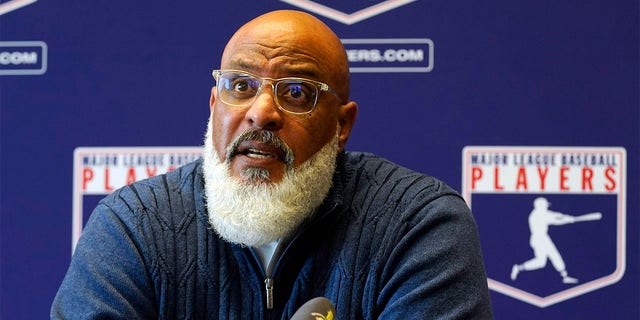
<point x="278" y="213"/>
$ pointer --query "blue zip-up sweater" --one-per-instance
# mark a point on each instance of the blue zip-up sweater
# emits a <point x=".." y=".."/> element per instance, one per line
<point x="387" y="243"/>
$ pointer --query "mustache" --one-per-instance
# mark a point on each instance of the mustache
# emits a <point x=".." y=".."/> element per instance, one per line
<point x="263" y="136"/>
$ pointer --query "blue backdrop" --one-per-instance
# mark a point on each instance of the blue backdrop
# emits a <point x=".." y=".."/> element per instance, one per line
<point x="431" y="78"/>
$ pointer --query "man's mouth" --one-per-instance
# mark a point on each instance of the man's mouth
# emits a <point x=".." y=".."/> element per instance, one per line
<point x="253" y="153"/>
<point x="260" y="145"/>
<point x="257" y="150"/>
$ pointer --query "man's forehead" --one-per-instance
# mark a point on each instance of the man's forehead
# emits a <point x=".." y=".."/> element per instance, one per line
<point x="261" y="63"/>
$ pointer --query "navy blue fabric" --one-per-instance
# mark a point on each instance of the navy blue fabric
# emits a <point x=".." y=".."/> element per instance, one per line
<point x="388" y="243"/>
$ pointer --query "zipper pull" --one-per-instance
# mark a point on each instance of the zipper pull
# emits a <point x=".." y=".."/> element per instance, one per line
<point x="268" y="285"/>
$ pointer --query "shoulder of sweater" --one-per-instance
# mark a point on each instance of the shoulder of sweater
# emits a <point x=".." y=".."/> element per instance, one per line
<point x="378" y="190"/>
<point x="367" y="170"/>
<point x="157" y="191"/>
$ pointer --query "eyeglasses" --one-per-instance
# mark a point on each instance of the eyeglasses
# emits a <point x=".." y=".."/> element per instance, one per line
<point x="293" y="95"/>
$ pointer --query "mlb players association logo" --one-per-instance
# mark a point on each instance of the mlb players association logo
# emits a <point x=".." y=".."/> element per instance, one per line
<point x="552" y="220"/>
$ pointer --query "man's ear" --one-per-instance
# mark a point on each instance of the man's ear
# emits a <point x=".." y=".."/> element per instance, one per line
<point x="347" y="118"/>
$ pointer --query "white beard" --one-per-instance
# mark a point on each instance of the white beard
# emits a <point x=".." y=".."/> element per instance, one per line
<point x="256" y="213"/>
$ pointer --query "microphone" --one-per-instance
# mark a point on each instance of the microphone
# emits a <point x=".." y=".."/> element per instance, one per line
<point x="319" y="308"/>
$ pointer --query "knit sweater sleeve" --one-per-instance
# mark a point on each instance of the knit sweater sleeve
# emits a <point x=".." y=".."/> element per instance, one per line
<point x="423" y="245"/>
<point x="435" y="270"/>
<point x="107" y="277"/>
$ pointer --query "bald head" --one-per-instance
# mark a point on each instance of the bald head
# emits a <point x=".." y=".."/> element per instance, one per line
<point x="289" y="43"/>
<point x="282" y="44"/>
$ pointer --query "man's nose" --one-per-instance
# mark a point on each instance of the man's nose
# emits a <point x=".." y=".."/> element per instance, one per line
<point x="264" y="112"/>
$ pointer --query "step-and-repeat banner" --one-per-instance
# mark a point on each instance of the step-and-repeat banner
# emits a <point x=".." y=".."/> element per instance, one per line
<point x="529" y="108"/>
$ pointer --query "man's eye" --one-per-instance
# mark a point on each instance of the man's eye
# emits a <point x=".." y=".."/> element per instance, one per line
<point x="240" y="85"/>
<point x="296" y="92"/>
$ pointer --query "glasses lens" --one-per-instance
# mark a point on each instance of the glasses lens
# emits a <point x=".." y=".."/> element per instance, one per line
<point x="296" y="95"/>
<point x="237" y="88"/>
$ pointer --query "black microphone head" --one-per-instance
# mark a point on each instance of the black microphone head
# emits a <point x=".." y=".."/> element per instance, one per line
<point x="319" y="308"/>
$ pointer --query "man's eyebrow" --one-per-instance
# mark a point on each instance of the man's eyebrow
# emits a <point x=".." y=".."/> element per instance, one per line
<point x="304" y="72"/>
<point x="300" y="71"/>
<point x="241" y="64"/>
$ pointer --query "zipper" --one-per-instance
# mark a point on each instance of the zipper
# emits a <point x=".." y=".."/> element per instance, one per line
<point x="268" y="278"/>
<point x="268" y="287"/>
<point x="268" y="275"/>
<point x="281" y="249"/>
<point x="270" y="270"/>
